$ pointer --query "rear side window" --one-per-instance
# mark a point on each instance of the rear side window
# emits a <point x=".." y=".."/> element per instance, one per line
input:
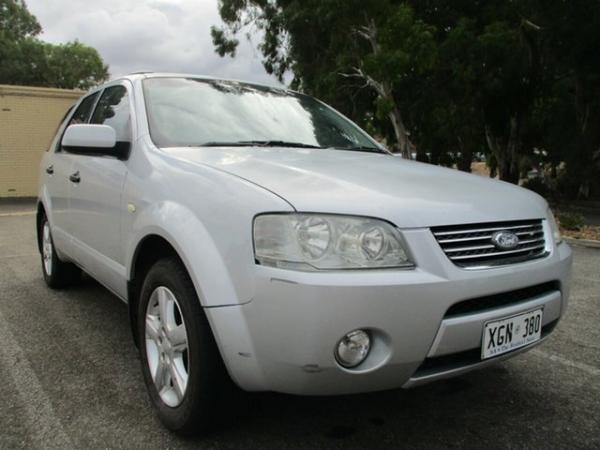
<point x="113" y="110"/>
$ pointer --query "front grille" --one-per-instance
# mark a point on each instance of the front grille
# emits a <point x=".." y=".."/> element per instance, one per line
<point x="480" y="304"/>
<point x="471" y="245"/>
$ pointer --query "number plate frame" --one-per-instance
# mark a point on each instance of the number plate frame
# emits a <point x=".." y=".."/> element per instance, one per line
<point x="518" y="321"/>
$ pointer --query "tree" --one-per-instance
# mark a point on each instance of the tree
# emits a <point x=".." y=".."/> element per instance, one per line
<point x="418" y="58"/>
<point x="16" y="22"/>
<point x="74" y="65"/>
<point x="489" y="74"/>
<point x="448" y="78"/>
<point x="333" y="45"/>
<point x="449" y="117"/>
<point x="26" y="60"/>
<point x="572" y="30"/>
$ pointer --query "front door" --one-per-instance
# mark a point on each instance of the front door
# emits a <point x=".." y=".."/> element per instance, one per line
<point x="56" y="171"/>
<point x="96" y="196"/>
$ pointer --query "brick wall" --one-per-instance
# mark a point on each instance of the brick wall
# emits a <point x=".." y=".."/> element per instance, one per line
<point x="28" y="119"/>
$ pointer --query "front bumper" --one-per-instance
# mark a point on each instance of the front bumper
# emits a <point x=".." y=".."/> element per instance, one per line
<point x="284" y="339"/>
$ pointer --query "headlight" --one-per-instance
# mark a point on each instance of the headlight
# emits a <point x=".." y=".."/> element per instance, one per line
<point x="554" y="227"/>
<point x="327" y="242"/>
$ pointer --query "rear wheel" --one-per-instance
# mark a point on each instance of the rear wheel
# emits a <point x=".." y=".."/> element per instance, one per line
<point x="182" y="367"/>
<point x="57" y="273"/>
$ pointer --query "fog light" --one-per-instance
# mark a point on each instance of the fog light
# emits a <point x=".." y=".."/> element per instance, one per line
<point x="353" y="348"/>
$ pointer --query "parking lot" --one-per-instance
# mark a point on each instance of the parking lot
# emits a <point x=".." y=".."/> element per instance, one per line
<point x="70" y="378"/>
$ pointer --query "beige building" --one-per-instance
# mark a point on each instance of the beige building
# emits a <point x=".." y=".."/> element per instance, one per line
<point x="28" y="119"/>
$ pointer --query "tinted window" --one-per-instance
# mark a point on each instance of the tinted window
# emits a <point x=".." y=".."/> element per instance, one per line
<point x="83" y="111"/>
<point x="195" y="112"/>
<point x="81" y="114"/>
<point x="113" y="110"/>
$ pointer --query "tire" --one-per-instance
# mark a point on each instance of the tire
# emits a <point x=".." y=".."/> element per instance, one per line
<point x="57" y="274"/>
<point x="191" y="380"/>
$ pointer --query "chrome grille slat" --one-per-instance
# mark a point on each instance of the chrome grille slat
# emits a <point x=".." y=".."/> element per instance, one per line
<point x="471" y="245"/>
<point x="531" y="241"/>
<point x="482" y="230"/>
<point x="466" y="249"/>
<point x="483" y="247"/>
<point x="485" y="255"/>
<point x="486" y="236"/>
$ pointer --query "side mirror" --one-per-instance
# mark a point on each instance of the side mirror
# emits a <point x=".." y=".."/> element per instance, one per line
<point x="94" y="140"/>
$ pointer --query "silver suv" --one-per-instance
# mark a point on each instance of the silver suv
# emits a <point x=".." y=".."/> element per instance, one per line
<point x="263" y="240"/>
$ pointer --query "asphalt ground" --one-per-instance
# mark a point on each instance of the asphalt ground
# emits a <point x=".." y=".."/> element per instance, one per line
<point x="70" y="378"/>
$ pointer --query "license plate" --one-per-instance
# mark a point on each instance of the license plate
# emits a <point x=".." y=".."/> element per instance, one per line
<point x="505" y="335"/>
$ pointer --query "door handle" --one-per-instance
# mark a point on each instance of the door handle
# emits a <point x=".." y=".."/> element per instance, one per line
<point x="50" y="169"/>
<point x="75" y="178"/>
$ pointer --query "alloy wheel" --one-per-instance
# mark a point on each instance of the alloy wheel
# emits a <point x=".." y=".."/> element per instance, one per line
<point x="47" y="249"/>
<point x="167" y="346"/>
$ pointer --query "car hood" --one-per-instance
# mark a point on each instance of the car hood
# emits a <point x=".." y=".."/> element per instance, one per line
<point x="407" y="193"/>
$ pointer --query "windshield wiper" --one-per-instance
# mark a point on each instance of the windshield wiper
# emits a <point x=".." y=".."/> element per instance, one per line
<point x="362" y="149"/>
<point x="276" y="143"/>
<point x="267" y="143"/>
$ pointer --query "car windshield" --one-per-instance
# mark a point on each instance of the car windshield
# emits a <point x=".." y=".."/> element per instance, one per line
<point x="197" y="112"/>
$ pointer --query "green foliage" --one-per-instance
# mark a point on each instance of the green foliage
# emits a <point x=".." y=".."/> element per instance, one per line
<point x="573" y="33"/>
<point x="16" y="22"/>
<point x="74" y="65"/>
<point x="571" y="221"/>
<point x="453" y="78"/>
<point x="27" y="60"/>
<point x="223" y="44"/>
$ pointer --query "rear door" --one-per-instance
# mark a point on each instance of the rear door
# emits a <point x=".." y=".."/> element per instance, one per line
<point x="96" y="189"/>
<point x="56" y="170"/>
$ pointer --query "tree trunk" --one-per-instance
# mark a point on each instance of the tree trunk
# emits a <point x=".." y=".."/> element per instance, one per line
<point x="493" y="165"/>
<point x="466" y="157"/>
<point x="385" y="91"/>
<point x="507" y="147"/>
<point x="580" y="162"/>
<point x="512" y="152"/>
<point x="404" y="144"/>
<point x="506" y="154"/>
<point x="465" y="161"/>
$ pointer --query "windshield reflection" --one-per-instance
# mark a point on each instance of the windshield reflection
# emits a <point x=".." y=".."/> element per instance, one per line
<point x="196" y="112"/>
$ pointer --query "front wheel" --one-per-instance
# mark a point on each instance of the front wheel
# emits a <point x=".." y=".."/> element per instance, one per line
<point x="182" y="367"/>
<point x="57" y="273"/>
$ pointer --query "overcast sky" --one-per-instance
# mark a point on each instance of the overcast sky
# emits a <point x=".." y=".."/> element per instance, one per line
<point x="157" y="35"/>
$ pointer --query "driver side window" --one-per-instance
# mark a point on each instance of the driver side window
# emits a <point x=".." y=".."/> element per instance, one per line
<point x="81" y="115"/>
<point x="113" y="110"/>
<point x="83" y="111"/>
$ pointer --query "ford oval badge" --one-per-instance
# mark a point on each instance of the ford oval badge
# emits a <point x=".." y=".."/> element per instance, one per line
<point x="505" y="240"/>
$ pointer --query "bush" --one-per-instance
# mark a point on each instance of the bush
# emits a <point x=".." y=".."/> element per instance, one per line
<point x="571" y="221"/>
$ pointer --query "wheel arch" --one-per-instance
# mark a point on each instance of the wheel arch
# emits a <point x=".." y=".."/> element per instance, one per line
<point x="207" y="264"/>
<point x="212" y="261"/>
<point x="40" y="213"/>
<point x="205" y="269"/>
<point x="148" y="251"/>
<point x="43" y="208"/>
